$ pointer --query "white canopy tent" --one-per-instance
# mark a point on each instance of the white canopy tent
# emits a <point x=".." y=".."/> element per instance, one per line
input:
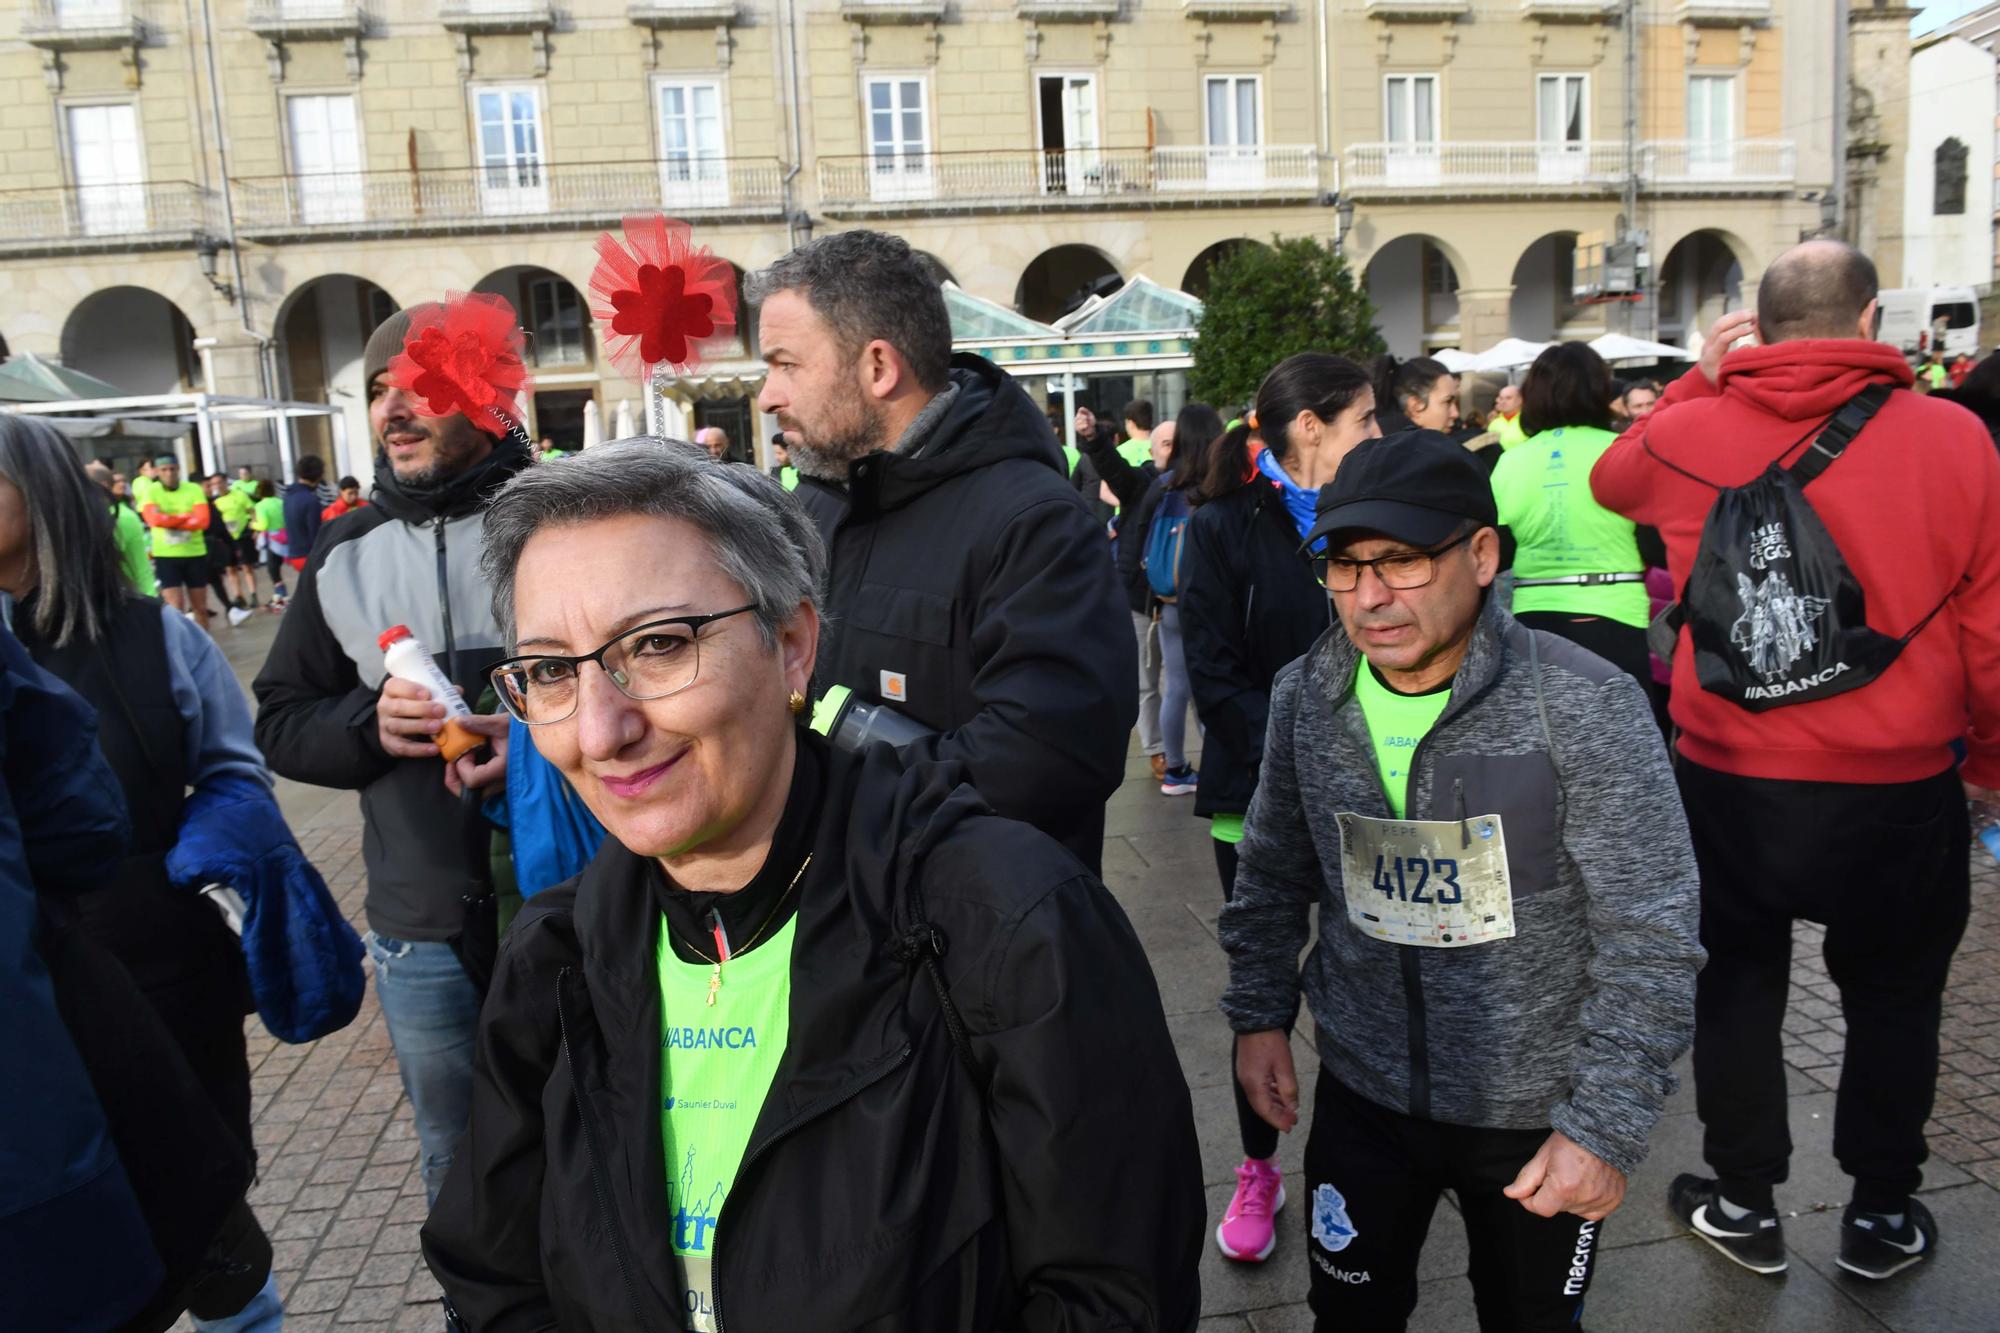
<point x="1508" y="354"/>
<point x="1452" y="359"/>
<point x="1616" y="347"/>
<point x="202" y="414"/>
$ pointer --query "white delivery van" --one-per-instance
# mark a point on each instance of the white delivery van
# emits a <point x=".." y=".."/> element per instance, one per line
<point x="1921" y="319"/>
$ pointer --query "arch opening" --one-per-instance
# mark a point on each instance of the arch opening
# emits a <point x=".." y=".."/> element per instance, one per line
<point x="1414" y="286"/>
<point x="1060" y="279"/>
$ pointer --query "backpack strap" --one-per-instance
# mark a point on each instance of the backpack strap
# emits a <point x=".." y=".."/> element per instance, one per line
<point x="1839" y="433"/>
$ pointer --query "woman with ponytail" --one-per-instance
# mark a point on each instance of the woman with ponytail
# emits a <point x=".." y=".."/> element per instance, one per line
<point x="1250" y="604"/>
<point x="1419" y="392"/>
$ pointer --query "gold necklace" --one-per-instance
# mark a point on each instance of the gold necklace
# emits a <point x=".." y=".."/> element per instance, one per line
<point x="722" y="951"/>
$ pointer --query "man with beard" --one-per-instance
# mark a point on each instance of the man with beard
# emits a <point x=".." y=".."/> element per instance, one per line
<point x="970" y="589"/>
<point x="327" y="715"/>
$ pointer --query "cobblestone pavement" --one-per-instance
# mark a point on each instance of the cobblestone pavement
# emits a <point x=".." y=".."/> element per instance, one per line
<point x="341" y="1197"/>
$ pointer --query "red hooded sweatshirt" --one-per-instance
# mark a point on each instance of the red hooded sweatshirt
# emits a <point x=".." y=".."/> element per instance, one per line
<point x="1914" y="504"/>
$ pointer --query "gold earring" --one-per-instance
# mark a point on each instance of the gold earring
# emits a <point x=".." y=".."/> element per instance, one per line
<point x="797" y="703"/>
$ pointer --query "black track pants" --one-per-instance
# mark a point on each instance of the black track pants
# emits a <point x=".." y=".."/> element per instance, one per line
<point x="1884" y="868"/>
<point x="1373" y="1177"/>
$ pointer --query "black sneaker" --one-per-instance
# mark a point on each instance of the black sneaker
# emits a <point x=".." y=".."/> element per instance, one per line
<point x="1755" y="1240"/>
<point x="1870" y="1249"/>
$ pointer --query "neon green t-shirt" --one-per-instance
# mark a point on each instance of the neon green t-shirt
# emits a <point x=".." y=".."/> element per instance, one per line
<point x="177" y="543"/>
<point x="1542" y="488"/>
<point x="142" y="486"/>
<point x="128" y="530"/>
<point x="235" y="507"/>
<point x="268" y="515"/>
<point x="1136" y="452"/>
<point x="788" y="477"/>
<point x="1396" y="722"/>
<point x="1226" y="828"/>
<point x="1071" y="456"/>
<point x="716" y="1066"/>
<point x="1507" y="430"/>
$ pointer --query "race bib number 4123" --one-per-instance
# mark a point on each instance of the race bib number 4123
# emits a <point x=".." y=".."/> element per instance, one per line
<point x="1438" y="883"/>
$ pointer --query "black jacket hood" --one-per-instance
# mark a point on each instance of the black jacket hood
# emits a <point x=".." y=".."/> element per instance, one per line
<point x="454" y="497"/>
<point x="991" y="419"/>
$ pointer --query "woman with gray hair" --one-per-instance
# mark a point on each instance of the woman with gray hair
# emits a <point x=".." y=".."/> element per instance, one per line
<point x="816" y="1041"/>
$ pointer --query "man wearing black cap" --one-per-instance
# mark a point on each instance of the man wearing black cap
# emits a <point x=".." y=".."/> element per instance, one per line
<point x="1504" y="972"/>
<point x="328" y="715"/>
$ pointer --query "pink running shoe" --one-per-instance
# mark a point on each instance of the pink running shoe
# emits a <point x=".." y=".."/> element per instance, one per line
<point x="1247" y="1233"/>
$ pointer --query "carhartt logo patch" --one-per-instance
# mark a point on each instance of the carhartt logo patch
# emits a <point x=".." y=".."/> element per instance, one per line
<point x="895" y="687"/>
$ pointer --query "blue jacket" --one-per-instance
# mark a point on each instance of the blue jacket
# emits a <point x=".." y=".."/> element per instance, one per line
<point x="303" y="958"/>
<point x="75" y="1252"/>
<point x="302" y="519"/>
<point x="561" y="835"/>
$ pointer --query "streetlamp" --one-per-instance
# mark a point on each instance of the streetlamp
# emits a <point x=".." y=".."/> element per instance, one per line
<point x="208" y="250"/>
<point x="1343" y="213"/>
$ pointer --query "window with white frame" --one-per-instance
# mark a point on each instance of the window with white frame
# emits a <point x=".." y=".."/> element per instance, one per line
<point x="326" y="157"/>
<point x="693" y="170"/>
<point x="1410" y="127"/>
<point x="555" y="317"/>
<point x="108" y="168"/>
<point x="1711" y="122"/>
<point x="1234" y="105"/>
<point x="513" y="176"/>
<point x="1562" y="124"/>
<point x="897" y="108"/>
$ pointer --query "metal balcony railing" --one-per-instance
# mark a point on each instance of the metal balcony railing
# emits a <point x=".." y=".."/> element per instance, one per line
<point x="1684" y="166"/>
<point x="512" y="195"/>
<point x="108" y="216"/>
<point x="1093" y="177"/>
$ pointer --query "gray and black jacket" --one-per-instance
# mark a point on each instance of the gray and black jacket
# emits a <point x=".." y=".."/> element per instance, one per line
<point x="1571" y="1024"/>
<point x="410" y="558"/>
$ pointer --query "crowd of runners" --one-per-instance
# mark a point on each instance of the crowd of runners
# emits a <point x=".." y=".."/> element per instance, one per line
<point x="733" y="858"/>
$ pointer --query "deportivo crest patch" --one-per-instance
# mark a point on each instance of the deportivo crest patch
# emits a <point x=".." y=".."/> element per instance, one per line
<point x="1331" y="1226"/>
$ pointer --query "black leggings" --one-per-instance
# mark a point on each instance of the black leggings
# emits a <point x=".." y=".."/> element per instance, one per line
<point x="1260" y="1140"/>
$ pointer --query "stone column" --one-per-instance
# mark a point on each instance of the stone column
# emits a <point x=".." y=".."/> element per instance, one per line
<point x="1482" y="316"/>
<point x="1878" y="42"/>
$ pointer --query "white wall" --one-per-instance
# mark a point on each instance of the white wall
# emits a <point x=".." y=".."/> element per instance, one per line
<point x="1951" y="95"/>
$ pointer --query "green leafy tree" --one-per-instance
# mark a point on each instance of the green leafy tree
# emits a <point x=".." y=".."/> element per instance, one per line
<point x="1267" y="303"/>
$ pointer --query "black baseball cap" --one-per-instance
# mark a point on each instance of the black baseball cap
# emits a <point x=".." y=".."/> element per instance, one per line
<point x="1415" y="486"/>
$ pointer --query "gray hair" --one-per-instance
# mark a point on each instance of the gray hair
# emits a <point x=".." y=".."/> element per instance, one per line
<point x="758" y="534"/>
<point x="78" y="577"/>
<point x="868" y="285"/>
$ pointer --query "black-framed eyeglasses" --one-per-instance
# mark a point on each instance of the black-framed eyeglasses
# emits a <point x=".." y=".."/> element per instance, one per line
<point x="1402" y="571"/>
<point x="649" y="661"/>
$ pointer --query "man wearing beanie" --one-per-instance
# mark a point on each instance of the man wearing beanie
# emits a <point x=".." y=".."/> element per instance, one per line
<point x="327" y="715"/>
<point x="1485" y="817"/>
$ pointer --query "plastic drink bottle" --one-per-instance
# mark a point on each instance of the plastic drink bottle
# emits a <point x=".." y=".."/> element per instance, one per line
<point x="405" y="657"/>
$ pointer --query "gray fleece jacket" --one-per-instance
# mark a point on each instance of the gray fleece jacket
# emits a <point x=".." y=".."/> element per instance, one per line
<point x="1574" y="1021"/>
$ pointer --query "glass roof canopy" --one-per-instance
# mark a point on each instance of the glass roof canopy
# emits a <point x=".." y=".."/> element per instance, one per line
<point x="1140" y="327"/>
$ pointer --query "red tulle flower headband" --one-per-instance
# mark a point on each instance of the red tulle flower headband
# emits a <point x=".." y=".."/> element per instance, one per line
<point x="465" y="356"/>
<point x="662" y="298"/>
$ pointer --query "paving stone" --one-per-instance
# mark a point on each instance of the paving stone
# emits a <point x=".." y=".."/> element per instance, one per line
<point x="309" y="1297"/>
<point x="1952" y="1290"/>
<point x="343" y="1263"/>
<point x="301" y="1225"/>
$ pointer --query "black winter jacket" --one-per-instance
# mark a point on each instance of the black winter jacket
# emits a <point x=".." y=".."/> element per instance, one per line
<point x="883" y="1189"/>
<point x="407" y="559"/>
<point x="1249" y="604"/>
<point x="1138" y="492"/>
<point x="967" y="576"/>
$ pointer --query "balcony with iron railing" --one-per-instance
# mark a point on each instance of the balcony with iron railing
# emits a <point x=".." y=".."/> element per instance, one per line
<point x="79" y="24"/>
<point x="505" y="198"/>
<point x="1094" y="178"/>
<point x="68" y="219"/>
<point x="1446" y="169"/>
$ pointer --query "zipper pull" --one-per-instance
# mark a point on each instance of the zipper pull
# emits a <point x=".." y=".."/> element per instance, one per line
<point x="1458" y="803"/>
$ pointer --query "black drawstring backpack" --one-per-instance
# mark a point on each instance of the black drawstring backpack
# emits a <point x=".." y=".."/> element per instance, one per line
<point x="1776" y="615"/>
